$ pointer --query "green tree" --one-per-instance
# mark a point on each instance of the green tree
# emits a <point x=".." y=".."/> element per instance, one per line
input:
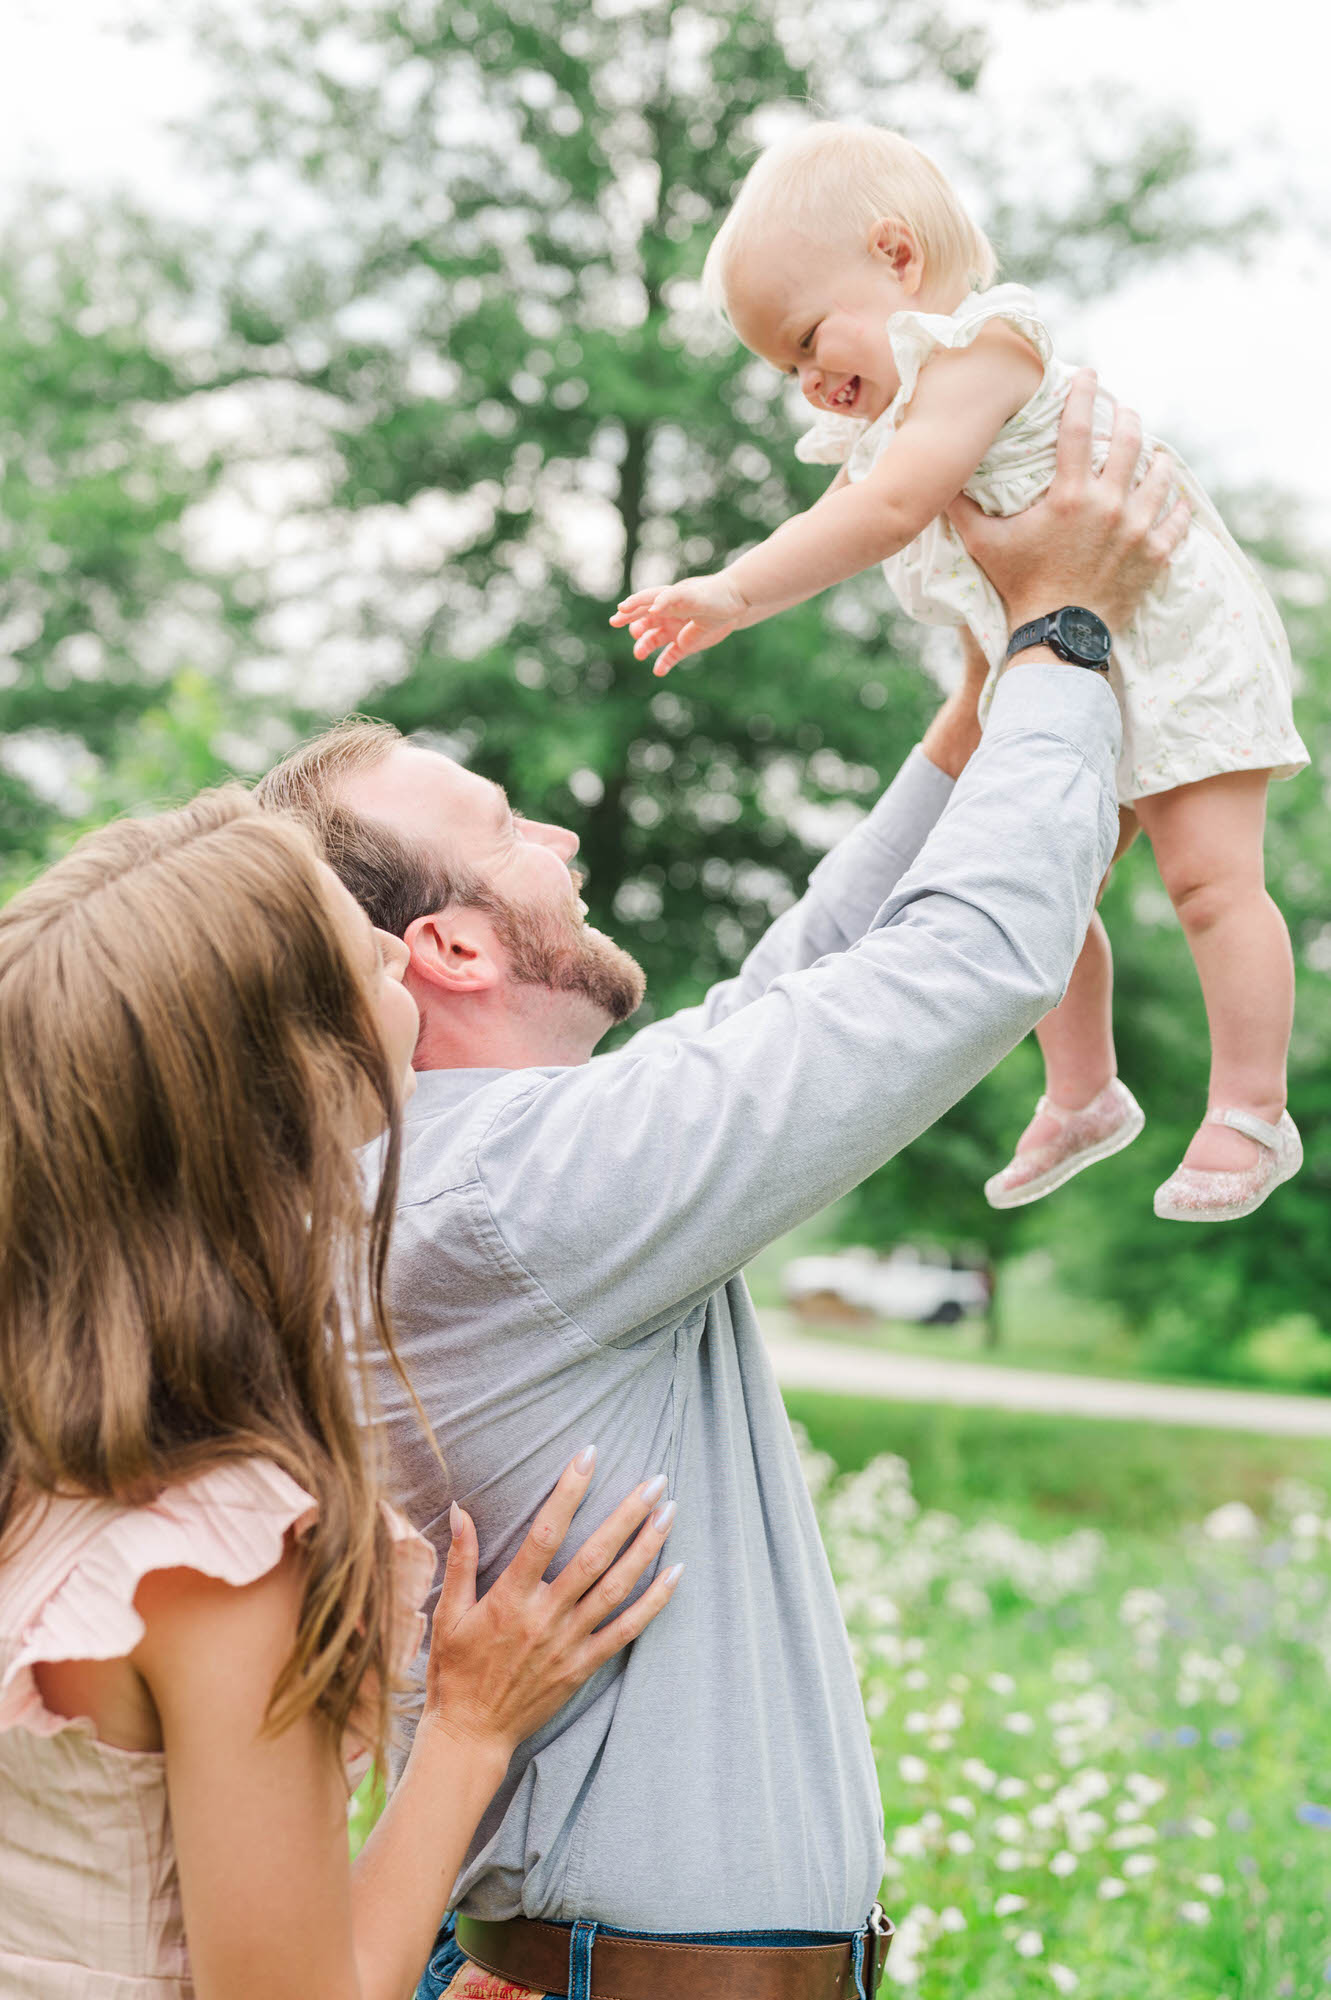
<point x="100" y="603"/>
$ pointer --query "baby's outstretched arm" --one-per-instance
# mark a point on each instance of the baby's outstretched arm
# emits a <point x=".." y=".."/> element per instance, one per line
<point x="962" y="402"/>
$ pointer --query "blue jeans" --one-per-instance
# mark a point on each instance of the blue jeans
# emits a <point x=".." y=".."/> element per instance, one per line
<point x="447" y="1960"/>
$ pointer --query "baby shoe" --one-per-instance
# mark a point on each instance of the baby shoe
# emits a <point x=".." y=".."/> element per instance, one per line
<point x="1106" y="1125"/>
<point x="1192" y="1194"/>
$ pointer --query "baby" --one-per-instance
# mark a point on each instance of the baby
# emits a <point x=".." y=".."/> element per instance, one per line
<point x="848" y="262"/>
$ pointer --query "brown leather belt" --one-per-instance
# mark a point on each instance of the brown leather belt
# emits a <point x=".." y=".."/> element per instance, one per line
<point x="536" y="1956"/>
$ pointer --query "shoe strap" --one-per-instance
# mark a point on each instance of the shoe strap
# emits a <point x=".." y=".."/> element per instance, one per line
<point x="1251" y="1126"/>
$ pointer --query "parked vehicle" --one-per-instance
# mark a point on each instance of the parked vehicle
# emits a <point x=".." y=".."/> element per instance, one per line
<point x="857" y="1284"/>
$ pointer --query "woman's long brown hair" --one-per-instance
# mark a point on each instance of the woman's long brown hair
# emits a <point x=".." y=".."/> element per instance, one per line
<point x="188" y="1253"/>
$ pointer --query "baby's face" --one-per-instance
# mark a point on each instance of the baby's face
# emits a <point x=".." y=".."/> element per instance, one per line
<point x="821" y="315"/>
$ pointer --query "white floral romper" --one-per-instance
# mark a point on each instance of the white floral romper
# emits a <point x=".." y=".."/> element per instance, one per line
<point x="1202" y="672"/>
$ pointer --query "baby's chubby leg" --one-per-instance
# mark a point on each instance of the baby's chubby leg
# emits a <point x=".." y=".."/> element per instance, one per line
<point x="955" y="731"/>
<point x="1077" y="1038"/>
<point x="1208" y="847"/>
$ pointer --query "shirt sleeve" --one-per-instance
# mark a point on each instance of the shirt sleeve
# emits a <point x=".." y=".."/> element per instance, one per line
<point x="631" y="1187"/>
<point x="845" y="893"/>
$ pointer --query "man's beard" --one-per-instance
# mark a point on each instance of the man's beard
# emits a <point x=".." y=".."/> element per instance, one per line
<point x="564" y="956"/>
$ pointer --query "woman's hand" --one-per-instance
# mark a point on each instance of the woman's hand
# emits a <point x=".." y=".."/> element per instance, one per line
<point x="683" y="618"/>
<point x="501" y="1666"/>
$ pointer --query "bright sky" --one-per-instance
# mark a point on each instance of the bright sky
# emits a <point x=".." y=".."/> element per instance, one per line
<point x="1227" y="361"/>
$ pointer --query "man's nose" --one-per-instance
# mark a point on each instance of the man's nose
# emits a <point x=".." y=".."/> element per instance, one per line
<point x="811" y="382"/>
<point x="560" y="838"/>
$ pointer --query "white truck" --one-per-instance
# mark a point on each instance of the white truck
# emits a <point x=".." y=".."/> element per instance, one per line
<point x="857" y="1284"/>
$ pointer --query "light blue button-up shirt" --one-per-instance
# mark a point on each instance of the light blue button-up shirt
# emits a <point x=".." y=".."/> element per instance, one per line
<point x="566" y="1271"/>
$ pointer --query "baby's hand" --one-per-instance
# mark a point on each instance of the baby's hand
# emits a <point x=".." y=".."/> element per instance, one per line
<point x="683" y="618"/>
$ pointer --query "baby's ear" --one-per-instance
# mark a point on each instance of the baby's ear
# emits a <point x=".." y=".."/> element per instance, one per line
<point x="896" y="241"/>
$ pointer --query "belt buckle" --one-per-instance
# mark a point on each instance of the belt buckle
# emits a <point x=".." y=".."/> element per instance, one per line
<point x="881" y="1931"/>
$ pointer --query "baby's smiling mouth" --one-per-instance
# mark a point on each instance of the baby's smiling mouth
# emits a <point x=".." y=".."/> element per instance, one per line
<point x="845" y="396"/>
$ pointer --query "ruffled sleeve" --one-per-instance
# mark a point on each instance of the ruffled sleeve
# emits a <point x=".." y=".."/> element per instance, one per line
<point x="830" y="439"/>
<point x="230" y="1523"/>
<point x="915" y="336"/>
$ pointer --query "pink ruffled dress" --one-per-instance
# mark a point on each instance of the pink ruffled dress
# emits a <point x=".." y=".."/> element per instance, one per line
<point x="89" y="1895"/>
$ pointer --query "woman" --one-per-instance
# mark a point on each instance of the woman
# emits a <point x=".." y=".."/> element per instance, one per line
<point x="204" y="1601"/>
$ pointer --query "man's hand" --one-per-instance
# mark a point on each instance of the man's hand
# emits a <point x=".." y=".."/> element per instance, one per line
<point x="1094" y="539"/>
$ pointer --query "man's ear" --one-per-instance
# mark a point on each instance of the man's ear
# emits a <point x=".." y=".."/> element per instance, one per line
<point x="454" y="951"/>
<point x="897" y="242"/>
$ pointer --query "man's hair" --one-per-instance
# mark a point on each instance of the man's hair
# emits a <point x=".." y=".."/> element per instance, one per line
<point x="834" y="181"/>
<point x="394" y="878"/>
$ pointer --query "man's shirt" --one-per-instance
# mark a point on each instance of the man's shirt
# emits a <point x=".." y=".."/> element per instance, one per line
<point x="566" y="1271"/>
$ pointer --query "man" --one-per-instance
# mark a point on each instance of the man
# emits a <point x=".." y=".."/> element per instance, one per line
<point x="567" y="1257"/>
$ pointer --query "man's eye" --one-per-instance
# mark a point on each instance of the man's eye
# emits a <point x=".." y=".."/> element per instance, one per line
<point x="807" y="341"/>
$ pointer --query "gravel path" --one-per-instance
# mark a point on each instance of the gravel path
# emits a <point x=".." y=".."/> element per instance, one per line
<point x="842" y="1369"/>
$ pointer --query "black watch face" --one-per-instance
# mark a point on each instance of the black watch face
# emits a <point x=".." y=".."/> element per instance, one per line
<point x="1083" y="633"/>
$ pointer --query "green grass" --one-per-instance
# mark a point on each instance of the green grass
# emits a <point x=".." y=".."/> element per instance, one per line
<point x="1103" y="1753"/>
<point x="1147" y="1477"/>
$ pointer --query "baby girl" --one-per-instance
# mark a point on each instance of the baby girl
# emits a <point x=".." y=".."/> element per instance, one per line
<point x="848" y="262"/>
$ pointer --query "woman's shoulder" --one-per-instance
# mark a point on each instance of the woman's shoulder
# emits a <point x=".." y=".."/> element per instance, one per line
<point x="71" y="1566"/>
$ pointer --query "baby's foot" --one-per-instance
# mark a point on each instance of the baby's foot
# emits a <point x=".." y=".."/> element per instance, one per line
<point x="1195" y="1194"/>
<point x="1218" y="1149"/>
<point x="1060" y="1141"/>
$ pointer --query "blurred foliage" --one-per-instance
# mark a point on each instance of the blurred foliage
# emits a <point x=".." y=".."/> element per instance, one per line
<point x="439" y="385"/>
<point x="99" y="601"/>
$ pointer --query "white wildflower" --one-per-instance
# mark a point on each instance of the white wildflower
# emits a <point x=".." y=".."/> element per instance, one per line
<point x="951" y="1919"/>
<point x="1064" y="1978"/>
<point x="1234" y="1522"/>
<point x="1203" y="1828"/>
<point x="915" y="1679"/>
<point x="1007" y="1788"/>
<point x="1111" y="1888"/>
<point x="1001" y="1684"/>
<point x="1195" y="1913"/>
<point x="1008" y="1859"/>
<point x="1131" y="1836"/>
<point x="963" y="1807"/>
<point x="1146" y="1791"/>
<point x="978" y="1774"/>
<point x="915" y="1722"/>
<point x="913" y="1770"/>
<point x="1010" y="1827"/>
<point x="960" y="1842"/>
<point x="1063" y="1863"/>
<point x="1019" y="1723"/>
<point x="1030" y="1944"/>
<point x="1007" y="1906"/>
<point x="1211" y="1885"/>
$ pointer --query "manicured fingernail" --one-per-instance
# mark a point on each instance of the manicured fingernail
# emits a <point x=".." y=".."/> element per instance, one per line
<point x="672" y="1576"/>
<point x="585" y="1459"/>
<point x="653" y="1489"/>
<point x="455" y="1519"/>
<point x="663" y="1516"/>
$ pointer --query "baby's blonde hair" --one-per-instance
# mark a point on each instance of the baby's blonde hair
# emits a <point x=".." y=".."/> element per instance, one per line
<point x="834" y="181"/>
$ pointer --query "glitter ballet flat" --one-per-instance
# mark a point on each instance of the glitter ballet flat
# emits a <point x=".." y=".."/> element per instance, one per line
<point x="1106" y="1125"/>
<point x="1192" y="1194"/>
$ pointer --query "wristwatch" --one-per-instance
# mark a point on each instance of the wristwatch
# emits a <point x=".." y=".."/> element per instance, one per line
<point x="1074" y="633"/>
